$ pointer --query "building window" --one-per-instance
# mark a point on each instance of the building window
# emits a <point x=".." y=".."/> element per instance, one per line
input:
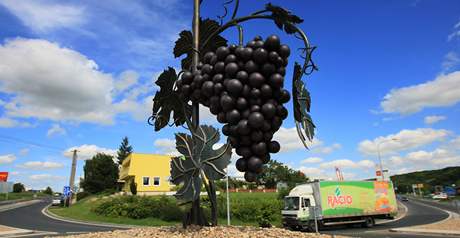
<point x="146" y="181"/>
<point x="156" y="181"/>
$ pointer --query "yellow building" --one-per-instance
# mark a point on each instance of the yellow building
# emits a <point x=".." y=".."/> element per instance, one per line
<point x="150" y="172"/>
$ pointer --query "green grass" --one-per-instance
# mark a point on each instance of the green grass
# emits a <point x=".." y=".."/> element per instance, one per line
<point x="20" y="196"/>
<point x="82" y="211"/>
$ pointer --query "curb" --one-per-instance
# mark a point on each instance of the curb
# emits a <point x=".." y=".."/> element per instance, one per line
<point x="16" y="231"/>
<point x="51" y="215"/>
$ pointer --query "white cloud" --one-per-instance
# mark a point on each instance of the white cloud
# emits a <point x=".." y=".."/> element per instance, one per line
<point x="7" y="159"/>
<point x="405" y="139"/>
<point x="40" y="165"/>
<point x="43" y="16"/>
<point x="166" y="146"/>
<point x="451" y="60"/>
<point x="340" y="163"/>
<point x="56" y="130"/>
<point x="8" y="123"/>
<point x="455" y="33"/>
<point x="126" y="79"/>
<point x="421" y="159"/>
<point x="433" y="119"/>
<point x="311" y="160"/>
<point x="289" y="140"/>
<point x="45" y="177"/>
<point x="313" y="173"/>
<point x="50" y="82"/>
<point x="441" y="92"/>
<point x="85" y="152"/>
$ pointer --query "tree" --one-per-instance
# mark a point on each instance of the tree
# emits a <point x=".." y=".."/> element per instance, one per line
<point x="124" y="150"/>
<point x="48" y="191"/>
<point x="18" y="188"/>
<point x="278" y="172"/>
<point x="101" y="173"/>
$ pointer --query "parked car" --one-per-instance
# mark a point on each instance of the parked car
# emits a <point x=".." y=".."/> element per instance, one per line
<point x="404" y="199"/>
<point x="56" y="201"/>
<point x="440" y="196"/>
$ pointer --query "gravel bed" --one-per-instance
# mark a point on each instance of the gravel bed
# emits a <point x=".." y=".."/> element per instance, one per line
<point x="197" y="232"/>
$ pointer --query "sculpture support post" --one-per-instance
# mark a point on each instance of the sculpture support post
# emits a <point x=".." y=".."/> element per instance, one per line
<point x="196" y="57"/>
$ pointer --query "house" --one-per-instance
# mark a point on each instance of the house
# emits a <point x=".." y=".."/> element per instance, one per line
<point x="150" y="172"/>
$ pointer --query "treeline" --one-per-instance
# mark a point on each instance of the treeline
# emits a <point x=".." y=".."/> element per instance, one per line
<point x="429" y="178"/>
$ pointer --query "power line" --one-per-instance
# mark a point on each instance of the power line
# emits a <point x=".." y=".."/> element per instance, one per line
<point x="11" y="139"/>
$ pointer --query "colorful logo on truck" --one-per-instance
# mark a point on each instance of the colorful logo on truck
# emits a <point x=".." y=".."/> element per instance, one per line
<point x="338" y="199"/>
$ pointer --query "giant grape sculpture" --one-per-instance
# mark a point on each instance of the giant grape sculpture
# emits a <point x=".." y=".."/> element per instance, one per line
<point x="243" y="87"/>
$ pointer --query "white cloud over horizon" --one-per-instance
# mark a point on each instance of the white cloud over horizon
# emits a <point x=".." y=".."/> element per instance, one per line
<point x="40" y="165"/>
<point x="85" y="152"/>
<point x="443" y="91"/>
<point x="404" y="140"/>
<point x="7" y="159"/>
<point x="433" y="119"/>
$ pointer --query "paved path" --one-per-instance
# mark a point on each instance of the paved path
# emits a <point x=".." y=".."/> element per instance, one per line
<point x="31" y="218"/>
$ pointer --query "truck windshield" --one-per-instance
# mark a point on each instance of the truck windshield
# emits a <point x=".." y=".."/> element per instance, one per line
<point x="291" y="203"/>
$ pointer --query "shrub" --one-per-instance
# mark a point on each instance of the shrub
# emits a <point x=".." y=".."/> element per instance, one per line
<point x="283" y="192"/>
<point x="139" y="207"/>
<point x="82" y="195"/>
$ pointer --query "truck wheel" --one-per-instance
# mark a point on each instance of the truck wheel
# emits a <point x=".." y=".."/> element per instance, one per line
<point x="369" y="222"/>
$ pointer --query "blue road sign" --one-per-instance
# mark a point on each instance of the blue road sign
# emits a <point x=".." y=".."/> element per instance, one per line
<point x="67" y="191"/>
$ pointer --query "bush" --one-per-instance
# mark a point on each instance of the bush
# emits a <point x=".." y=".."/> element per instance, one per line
<point x="82" y="195"/>
<point x="139" y="207"/>
<point x="18" y="188"/>
<point x="261" y="210"/>
<point x="283" y="192"/>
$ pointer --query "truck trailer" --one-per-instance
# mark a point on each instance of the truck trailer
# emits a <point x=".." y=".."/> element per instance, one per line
<point x="323" y="203"/>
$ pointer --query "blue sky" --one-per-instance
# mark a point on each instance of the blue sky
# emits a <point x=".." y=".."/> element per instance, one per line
<point x="79" y="74"/>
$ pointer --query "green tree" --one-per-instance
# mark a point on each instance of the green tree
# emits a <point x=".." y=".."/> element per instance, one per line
<point x="48" y="191"/>
<point x="278" y="172"/>
<point x="18" y="188"/>
<point x="124" y="150"/>
<point x="101" y="173"/>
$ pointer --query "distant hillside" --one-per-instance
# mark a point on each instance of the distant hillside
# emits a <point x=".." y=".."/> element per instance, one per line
<point x="429" y="178"/>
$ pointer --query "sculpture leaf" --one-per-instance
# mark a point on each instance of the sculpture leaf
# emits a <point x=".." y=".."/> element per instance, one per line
<point x="301" y="102"/>
<point x="184" y="45"/>
<point x="167" y="101"/>
<point x="283" y="18"/>
<point x="198" y="158"/>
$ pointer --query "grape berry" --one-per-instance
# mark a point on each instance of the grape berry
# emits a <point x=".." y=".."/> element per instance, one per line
<point x="243" y="87"/>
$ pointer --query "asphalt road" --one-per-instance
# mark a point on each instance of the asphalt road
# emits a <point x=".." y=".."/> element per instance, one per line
<point x="31" y="218"/>
<point x="419" y="213"/>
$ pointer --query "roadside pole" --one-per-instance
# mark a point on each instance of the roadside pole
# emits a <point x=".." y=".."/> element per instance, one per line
<point x="228" y="203"/>
<point x="72" y="176"/>
<point x="316" y="220"/>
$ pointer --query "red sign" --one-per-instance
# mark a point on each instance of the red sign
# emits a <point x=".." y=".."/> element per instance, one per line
<point x="3" y="176"/>
<point x="378" y="173"/>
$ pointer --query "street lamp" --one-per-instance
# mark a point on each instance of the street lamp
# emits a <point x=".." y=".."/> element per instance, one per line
<point x="380" y="158"/>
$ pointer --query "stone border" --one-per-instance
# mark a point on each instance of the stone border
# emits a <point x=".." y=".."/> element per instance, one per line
<point x="46" y="212"/>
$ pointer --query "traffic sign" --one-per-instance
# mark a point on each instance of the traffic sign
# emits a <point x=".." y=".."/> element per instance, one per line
<point x="3" y="176"/>
<point x="67" y="191"/>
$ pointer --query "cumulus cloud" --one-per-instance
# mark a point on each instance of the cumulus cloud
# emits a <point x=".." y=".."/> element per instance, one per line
<point x="290" y="141"/>
<point x="40" y="165"/>
<point x="346" y="163"/>
<point x="126" y="80"/>
<point x="7" y="159"/>
<point x="43" y="16"/>
<point x="85" y="152"/>
<point x="311" y="160"/>
<point x="51" y="82"/>
<point x="433" y="119"/>
<point x="56" y="130"/>
<point x="422" y="159"/>
<point x="440" y="92"/>
<point x="403" y="140"/>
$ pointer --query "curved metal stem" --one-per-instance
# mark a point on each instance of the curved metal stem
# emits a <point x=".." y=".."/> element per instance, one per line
<point x="237" y="3"/>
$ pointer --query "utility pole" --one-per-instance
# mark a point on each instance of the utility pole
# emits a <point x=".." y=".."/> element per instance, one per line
<point x="72" y="176"/>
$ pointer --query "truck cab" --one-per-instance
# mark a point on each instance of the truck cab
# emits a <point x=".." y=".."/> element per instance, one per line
<point x="298" y="212"/>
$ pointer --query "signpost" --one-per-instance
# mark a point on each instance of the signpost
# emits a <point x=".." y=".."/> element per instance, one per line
<point x="67" y="194"/>
<point x="3" y="176"/>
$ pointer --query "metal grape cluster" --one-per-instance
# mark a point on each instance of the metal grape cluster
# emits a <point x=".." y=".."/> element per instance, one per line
<point x="243" y="87"/>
